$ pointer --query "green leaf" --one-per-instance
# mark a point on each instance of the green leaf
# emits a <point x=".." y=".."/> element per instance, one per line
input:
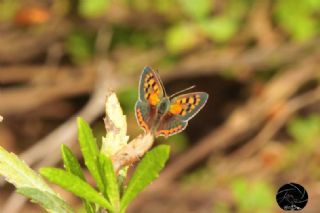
<point x="72" y="165"/>
<point x="48" y="201"/>
<point x="22" y="176"/>
<point x="70" y="162"/>
<point x="90" y="152"/>
<point x="93" y="8"/>
<point x="197" y="9"/>
<point x="147" y="170"/>
<point x="19" y="173"/>
<point x="110" y="179"/>
<point x="75" y="185"/>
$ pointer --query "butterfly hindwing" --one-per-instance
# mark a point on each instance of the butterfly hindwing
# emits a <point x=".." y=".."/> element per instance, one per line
<point x="145" y="114"/>
<point x="170" y="125"/>
<point x="150" y="87"/>
<point x="188" y="105"/>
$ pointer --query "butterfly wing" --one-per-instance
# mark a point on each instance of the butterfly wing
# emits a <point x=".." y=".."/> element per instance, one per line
<point x="151" y="91"/>
<point x="144" y="114"/>
<point x="150" y="87"/>
<point x="188" y="105"/>
<point x="182" y="109"/>
<point x="170" y="125"/>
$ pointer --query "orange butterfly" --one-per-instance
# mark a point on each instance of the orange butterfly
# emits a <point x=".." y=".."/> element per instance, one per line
<point x="161" y="114"/>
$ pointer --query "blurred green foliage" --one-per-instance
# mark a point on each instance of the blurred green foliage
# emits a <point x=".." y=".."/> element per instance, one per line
<point x="298" y="18"/>
<point x="202" y="25"/>
<point x="197" y="9"/>
<point x="222" y="207"/>
<point x="182" y="37"/>
<point x="8" y="8"/>
<point x="253" y="196"/>
<point x="219" y="29"/>
<point x="190" y="23"/>
<point x="80" y="46"/>
<point x="202" y="177"/>
<point x="124" y="35"/>
<point x="127" y="98"/>
<point x="305" y="131"/>
<point x="93" y="8"/>
<point x="177" y="25"/>
<point x="178" y="142"/>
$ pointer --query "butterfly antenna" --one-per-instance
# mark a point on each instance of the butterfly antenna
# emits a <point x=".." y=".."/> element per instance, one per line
<point x="186" y="89"/>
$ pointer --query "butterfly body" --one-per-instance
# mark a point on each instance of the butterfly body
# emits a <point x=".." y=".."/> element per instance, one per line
<point x="156" y="112"/>
<point x="160" y="114"/>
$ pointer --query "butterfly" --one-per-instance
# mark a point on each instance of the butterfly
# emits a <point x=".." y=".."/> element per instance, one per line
<point x="164" y="115"/>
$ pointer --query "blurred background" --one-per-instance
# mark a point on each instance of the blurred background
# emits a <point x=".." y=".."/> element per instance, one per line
<point x="258" y="60"/>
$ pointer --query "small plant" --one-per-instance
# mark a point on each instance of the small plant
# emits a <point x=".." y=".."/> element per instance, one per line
<point x="107" y="165"/>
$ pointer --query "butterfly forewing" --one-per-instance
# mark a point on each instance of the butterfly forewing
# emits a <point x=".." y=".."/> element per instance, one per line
<point x="150" y="87"/>
<point x="150" y="93"/>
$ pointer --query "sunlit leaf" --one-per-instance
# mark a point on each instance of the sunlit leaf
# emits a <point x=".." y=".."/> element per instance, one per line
<point x="75" y="185"/>
<point x="19" y="173"/>
<point x="48" y="201"/>
<point x="89" y="151"/>
<point x="23" y="177"/>
<point x="110" y="179"/>
<point x="147" y="170"/>
<point x="70" y="162"/>
<point x="72" y="165"/>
